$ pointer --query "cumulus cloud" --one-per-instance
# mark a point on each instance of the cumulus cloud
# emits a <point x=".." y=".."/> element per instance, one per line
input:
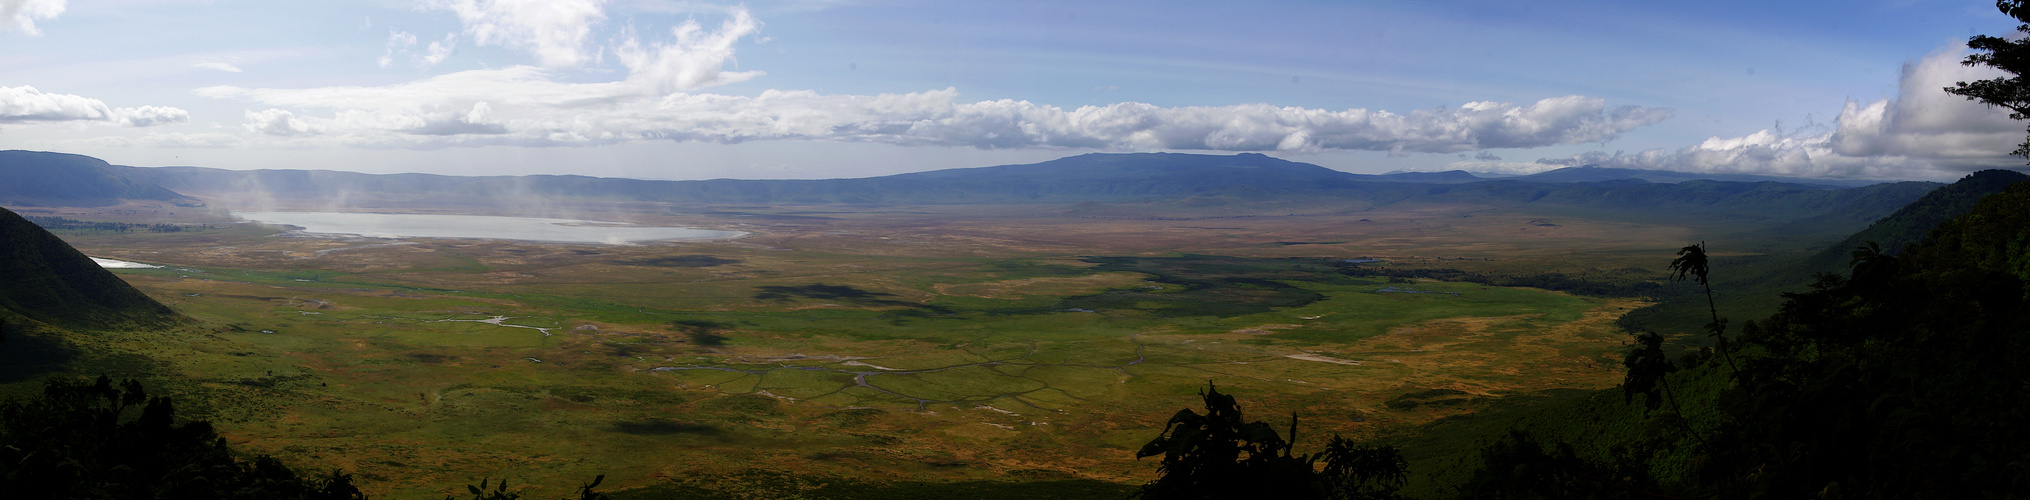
<point x="397" y="40"/>
<point x="552" y="30"/>
<point x="399" y="43"/>
<point x="1921" y="133"/>
<point x="217" y="66"/>
<point x="26" y="104"/>
<point x="695" y="59"/>
<point x="21" y="14"/>
<point x="438" y="51"/>
<point x="148" y="116"/>
<point x="279" y="122"/>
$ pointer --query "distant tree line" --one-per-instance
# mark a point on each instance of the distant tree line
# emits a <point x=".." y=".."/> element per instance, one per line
<point x="1562" y="282"/>
<point x="54" y="224"/>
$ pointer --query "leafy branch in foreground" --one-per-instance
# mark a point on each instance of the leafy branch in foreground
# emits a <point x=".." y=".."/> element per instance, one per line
<point x="1221" y="455"/>
<point x="501" y="492"/>
<point x="2011" y="55"/>
<point x="1649" y="372"/>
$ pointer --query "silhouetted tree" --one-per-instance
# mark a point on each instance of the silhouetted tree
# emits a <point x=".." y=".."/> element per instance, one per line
<point x="1649" y="372"/>
<point x="1517" y="467"/>
<point x="1904" y="381"/>
<point x="481" y="492"/>
<point x="1356" y="472"/>
<point x="2009" y="55"/>
<point x="1220" y="455"/>
<point x="1691" y="263"/>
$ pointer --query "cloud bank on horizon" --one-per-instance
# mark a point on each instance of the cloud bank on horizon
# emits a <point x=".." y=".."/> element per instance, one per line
<point x="25" y="104"/>
<point x="585" y="75"/>
<point x="1922" y="131"/>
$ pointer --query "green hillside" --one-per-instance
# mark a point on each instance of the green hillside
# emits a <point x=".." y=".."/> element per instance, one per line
<point x="1900" y="381"/>
<point x="50" y="282"/>
<point x="1911" y="223"/>
<point x="1745" y="287"/>
<point x="50" y="292"/>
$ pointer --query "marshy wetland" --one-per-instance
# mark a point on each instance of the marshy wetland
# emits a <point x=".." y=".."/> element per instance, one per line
<point x="932" y="344"/>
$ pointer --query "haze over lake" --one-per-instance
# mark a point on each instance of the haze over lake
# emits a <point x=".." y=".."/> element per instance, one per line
<point x="480" y="226"/>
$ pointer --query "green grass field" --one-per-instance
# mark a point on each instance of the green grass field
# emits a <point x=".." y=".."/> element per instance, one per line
<point x="736" y="369"/>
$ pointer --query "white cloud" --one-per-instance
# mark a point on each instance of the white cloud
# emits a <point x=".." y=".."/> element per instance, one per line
<point x="21" y="14"/>
<point x="21" y="104"/>
<point x="148" y="116"/>
<point x="552" y="30"/>
<point x="217" y="66"/>
<point x="399" y="43"/>
<point x="696" y="58"/>
<point x="279" y="122"/>
<point x="26" y="104"/>
<point x="397" y="40"/>
<point x="439" y="51"/>
<point x="1922" y="133"/>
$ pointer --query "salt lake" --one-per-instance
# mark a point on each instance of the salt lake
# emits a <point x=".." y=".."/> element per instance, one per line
<point x="121" y="264"/>
<point x="481" y="227"/>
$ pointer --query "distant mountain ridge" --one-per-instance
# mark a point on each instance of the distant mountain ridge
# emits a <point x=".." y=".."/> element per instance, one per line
<point x="1133" y="178"/>
<point x="35" y="178"/>
<point x="1087" y="178"/>
<point x="1596" y="173"/>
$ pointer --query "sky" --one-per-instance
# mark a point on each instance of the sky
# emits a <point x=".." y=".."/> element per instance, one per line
<point x="659" y="89"/>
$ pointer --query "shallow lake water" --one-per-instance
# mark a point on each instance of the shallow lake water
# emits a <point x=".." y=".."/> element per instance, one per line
<point x="121" y="264"/>
<point x="480" y="226"/>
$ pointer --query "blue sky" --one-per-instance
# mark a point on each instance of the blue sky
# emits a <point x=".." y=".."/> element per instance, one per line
<point x="818" y="89"/>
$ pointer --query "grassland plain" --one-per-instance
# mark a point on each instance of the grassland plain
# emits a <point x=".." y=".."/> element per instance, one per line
<point x="898" y="344"/>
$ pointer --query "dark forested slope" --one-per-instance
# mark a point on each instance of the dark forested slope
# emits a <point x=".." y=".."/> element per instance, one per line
<point x="1745" y="286"/>
<point x="1899" y="379"/>
<point x="48" y="281"/>
<point x="1909" y="224"/>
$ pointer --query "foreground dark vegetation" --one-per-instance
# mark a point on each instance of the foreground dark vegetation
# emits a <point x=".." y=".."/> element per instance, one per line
<point x="1900" y="379"/>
